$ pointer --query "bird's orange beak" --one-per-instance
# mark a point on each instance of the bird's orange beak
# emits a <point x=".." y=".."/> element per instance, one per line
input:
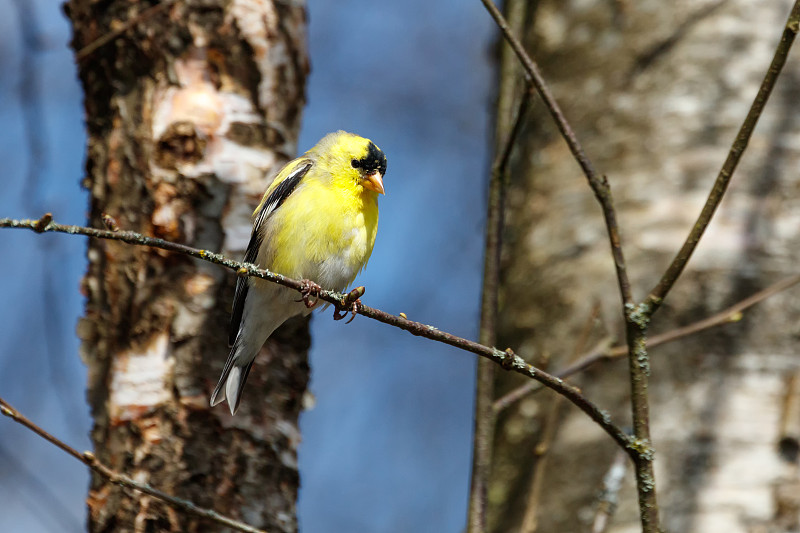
<point x="374" y="182"/>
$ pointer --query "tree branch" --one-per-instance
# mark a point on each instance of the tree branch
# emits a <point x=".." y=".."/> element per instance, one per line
<point x="660" y="291"/>
<point x="483" y="436"/>
<point x="530" y="519"/>
<point x="597" y="182"/>
<point x="507" y="359"/>
<point x="603" y="351"/>
<point x="122" y="480"/>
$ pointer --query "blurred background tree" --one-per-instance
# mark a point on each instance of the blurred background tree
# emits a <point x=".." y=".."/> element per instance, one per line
<point x="656" y="93"/>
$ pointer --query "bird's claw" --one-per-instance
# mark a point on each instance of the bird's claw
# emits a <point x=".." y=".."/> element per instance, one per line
<point x="309" y="288"/>
<point x="351" y="305"/>
<point x="352" y="310"/>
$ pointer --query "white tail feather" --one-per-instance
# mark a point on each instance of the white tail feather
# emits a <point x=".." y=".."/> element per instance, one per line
<point x="233" y="386"/>
<point x="267" y="306"/>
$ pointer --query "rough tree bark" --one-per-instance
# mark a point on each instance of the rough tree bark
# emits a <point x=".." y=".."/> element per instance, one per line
<point x="190" y="106"/>
<point x="655" y="92"/>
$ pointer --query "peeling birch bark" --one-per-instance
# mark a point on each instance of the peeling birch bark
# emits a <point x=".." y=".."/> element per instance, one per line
<point x="189" y="111"/>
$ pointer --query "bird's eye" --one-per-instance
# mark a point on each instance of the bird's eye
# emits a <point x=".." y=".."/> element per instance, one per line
<point x="355" y="163"/>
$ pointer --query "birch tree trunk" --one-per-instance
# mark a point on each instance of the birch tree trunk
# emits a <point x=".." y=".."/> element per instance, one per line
<point x="656" y="92"/>
<point x="190" y="107"/>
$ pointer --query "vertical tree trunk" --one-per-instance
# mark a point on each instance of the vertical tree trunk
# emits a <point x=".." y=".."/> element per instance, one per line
<point x="655" y="92"/>
<point x="189" y="110"/>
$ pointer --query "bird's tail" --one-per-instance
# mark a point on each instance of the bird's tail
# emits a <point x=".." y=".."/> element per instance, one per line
<point x="266" y="307"/>
<point x="231" y="382"/>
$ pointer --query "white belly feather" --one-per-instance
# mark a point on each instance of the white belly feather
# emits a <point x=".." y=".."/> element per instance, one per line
<point x="339" y="269"/>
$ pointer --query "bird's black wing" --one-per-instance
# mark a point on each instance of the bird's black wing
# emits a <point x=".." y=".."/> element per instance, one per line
<point x="273" y="202"/>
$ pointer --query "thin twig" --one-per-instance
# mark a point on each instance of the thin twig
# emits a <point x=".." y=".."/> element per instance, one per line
<point x="597" y="182"/>
<point x="639" y="375"/>
<point x="603" y="351"/>
<point x="513" y="396"/>
<point x="500" y="166"/>
<point x="530" y="521"/>
<point x="660" y="291"/>
<point x="507" y="359"/>
<point x="727" y="315"/>
<point x="122" y="480"/>
<point x="508" y="122"/>
<point x="483" y="435"/>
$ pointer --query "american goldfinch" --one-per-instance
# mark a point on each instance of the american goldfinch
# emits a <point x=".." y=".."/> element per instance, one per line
<point x="316" y="222"/>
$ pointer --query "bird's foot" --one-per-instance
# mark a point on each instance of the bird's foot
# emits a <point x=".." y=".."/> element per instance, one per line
<point x="350" y="306"/>
<point x="309" y="289"/>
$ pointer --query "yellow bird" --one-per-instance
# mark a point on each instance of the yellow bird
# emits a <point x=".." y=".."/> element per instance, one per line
<point x="317" y="222"/>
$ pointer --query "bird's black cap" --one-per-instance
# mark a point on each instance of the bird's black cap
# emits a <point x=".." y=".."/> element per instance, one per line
<point x="374" y="160"/>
